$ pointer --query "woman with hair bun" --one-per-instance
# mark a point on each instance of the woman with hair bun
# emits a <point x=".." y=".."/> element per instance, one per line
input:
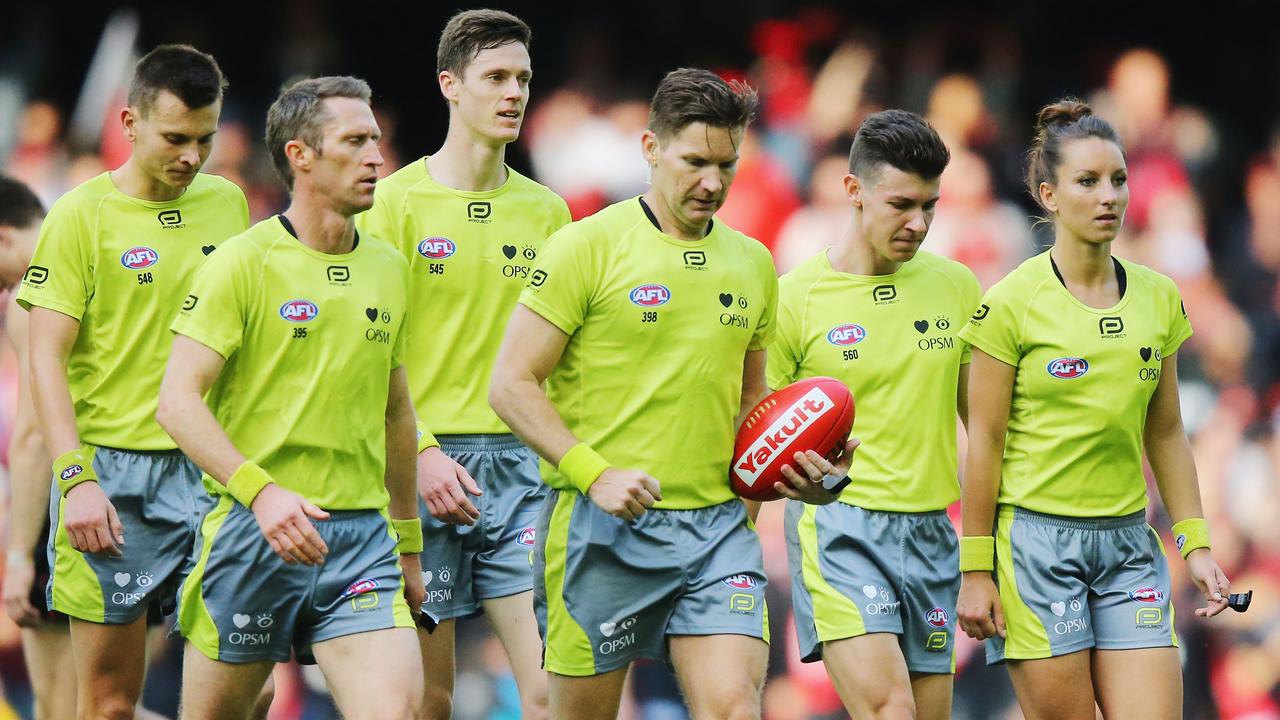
<point x="1074" y="374"/>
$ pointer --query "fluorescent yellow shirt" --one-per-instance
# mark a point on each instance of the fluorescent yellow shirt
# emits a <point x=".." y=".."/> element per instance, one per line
<point x="1084" y="379"/>
<point x="892" y="340"/>
<point x="658" y="331"/>
<point x="310" y="341"/>
<point x="121" y="266"/>
<point x="469" y="256"/>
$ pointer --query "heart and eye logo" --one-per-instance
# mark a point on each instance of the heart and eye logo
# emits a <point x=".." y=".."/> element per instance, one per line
<point x="509" y="251"/>
<point x="371" y="313"/>
<point x="726" y="299"/>
<point x="921" y="326"/>
<point x="1058" y="608"/>
<point x="240" y="620"/>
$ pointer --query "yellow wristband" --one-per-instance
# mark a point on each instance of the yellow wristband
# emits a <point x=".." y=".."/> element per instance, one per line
<point x="74" y="467"/>
<point x="1191" y="534"/>
<point x="246" y="482"/>
<point x="977" y="553"/>
<point x="408" y="535"/>
<point x="425" y="438"/>
<point x="582" y="465"/>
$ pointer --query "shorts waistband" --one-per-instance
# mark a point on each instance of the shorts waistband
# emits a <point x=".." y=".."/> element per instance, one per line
<point x="172" y="452"/>
<point x="1075" y="523"/>
<point x="496" y="442"/>
<point x="894" y="513"/>
<point x="339" y="517"/>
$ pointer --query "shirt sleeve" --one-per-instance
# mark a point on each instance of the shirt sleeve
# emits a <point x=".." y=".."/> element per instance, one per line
<point x="994" y="326"/>
<point x="1179" y="324"/>
<point x="216" y="311"/>
<point x="767" y="319"/>
<point x="561" y="284"/>
<point x="60" y="276"/>
<point x="376" y="221"/>
<point x="971" y="297"/>
<point x="785" y="349"/>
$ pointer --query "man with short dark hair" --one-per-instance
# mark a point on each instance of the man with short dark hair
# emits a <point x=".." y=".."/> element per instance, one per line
<point x="112" y="265"/>
<point x="875" y="575"/>
<point x="647" y="323"/>
<point x="46" y="645"/>
<point x="471" y="228"/>
<point x="313" y="546"/>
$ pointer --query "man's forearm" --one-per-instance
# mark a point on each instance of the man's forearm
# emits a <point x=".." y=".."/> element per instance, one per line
<point x="188" y="420"/>
<point x="524" y="406"/>
<point x="29" y="482"/>
<point x="402" y="462"/>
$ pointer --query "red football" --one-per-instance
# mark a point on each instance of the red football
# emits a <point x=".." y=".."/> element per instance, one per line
<point x="811" y="414"/>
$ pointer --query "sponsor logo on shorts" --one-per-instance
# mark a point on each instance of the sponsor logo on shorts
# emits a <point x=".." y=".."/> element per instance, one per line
<point x="937" y="617"/>
<point x="1146" y="595"/>
<point x="139" y="257"/>
<point x="144" y="579"/>
<point x="437" y="248"/>
<point x="847" y="334"/>
<point x="742" y="604"/>
<point x="1149" y="618"/>
<point x="1068" y="368"/>
<point x="360" y="587"/>
<point x="1066" y="627"/>
<point x="128" y="598"/>
<point x="778" y="437"/>
<point x="624" y="632"/>
<point x="650" y="295"/>
<point x="444" y="575"/>
<point x="527" y="537"/>
<point x="741" y="582"/>
<point x="243" y="621"/>
<point x="937" y="641"/>
<point x="71" y="471"/>
<point x="299" y="311"/>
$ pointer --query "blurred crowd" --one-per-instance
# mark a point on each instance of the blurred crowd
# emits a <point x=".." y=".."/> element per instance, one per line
<point x="1217" y="234"/>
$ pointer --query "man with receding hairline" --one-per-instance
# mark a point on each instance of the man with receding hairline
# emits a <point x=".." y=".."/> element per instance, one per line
<point x="642" y="549"/>
<point x="109" y="273"/>
<point x="471" y="228"/>
<point x="312" y="549"/>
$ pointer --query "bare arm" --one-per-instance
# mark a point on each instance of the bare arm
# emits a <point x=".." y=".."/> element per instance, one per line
<point x="29" y="460"/>
<point x="754" y="389"/>
<point x="51" y="339"/>
<point x="978" y="609"/>
<point x="1167" y="447"/>
<point x="1169" y="453"/>
<point x="962" y="396"/>
<point x="402" y="448"/>
<point x="192" y="370"/>
<point x="282" y="514"/>
<point x="530" y="350"/>
<point x="990" y="395"/>
<point x="29" y="482"/>
<point x="402" y="477"/>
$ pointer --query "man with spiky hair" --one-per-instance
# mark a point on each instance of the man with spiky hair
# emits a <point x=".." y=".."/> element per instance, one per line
<point x="471" y="228"/>
<point x="637" y="347"/>
<point x="875" y="576"/>
<point x="113" y="262"/>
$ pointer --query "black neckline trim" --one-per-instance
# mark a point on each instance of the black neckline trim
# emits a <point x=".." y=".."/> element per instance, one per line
<point x="1122" y="279"/>
<point x="289" y="227"/>
<point x="648" y="212"/>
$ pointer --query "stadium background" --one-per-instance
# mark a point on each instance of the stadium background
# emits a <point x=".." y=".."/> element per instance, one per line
<point x="1194" y="92"/>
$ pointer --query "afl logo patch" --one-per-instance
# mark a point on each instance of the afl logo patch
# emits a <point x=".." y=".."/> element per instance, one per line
<point x="1068" y="368"/>
<point x="937" y="617"/>
<point x="299" y="310"/>
<point x="741" y="582"/>
<point x="847" y="334"/>
<point x="436" y="248"/>
<point x="650" y="295"/>
<point x="526" y="536"/>
<point x="139" y="258"/>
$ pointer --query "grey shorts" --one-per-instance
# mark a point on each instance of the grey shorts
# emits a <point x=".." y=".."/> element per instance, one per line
<point x="463" y="565"/>
<point x="160" y="501"/>
<point x="608" y="591"/>
<point x="857" y="571"/>
<point x="1067" y="584"/>
<point x="243" y="604"/>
